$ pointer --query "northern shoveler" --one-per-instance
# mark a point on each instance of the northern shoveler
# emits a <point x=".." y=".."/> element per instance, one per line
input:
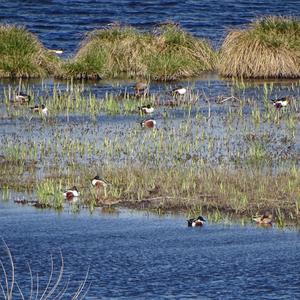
<point x="99" y="182"/>
<point x="265" y="219"/>
<point x="22" y="97"/>
<point x="179" y="91"/>
<point x="281" y="102"/>
<point x="71" y="193"/>
<point x="146" y="109"/>
<point x="42" y="109"/>
<point x="200" y="221"/>
<point x="148" y="123"/>
<point x="141" y="88"/>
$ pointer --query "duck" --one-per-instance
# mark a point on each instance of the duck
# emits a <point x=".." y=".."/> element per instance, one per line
<point x="141" y="88"/>
<point x="265" y="219"/>
<point x="179" y="91"/>
<point x="281" y="102"/>
<point x="200" y="221"/>
<point x="22" y="97"/>
<point x="148" y="123"/>
<point x="99" y="182"/>
<point x="42" y="109"/>
<point x="71" y="193"/>
<point x="146" y="109"/>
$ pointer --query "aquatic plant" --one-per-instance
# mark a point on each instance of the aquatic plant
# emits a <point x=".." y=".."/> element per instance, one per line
<point x="268" y="47"/>
<point x="22" y="55"/>
<point x="55" y="288"/>
<point x="49" y="194"/>
<point x="168" y="53"/>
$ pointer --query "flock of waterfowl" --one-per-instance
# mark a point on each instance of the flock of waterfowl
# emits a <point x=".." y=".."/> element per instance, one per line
<point x="266" y="219"/>
<point x="142" y="89"/>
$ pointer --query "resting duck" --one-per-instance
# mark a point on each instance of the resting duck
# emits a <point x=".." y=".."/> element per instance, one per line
<point x="141" y="88"/>
<point x="200" y="221"/>
<point x="265" y="219"/>
<point x="146" y="109"/>
<point x="281" y="102"/>
<point x="148" y="123"/>
<point x="22" y="97"/>
<point x="179" y="91"/>
<point x="71" y="193"/>
<point x="99" y="182"/>
<point x="42" y="109"/>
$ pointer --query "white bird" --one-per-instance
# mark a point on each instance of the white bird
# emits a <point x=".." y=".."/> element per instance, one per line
<point x="71" y="193"/>
<point x="179" y="91"/>
<point x="146" y="109"/>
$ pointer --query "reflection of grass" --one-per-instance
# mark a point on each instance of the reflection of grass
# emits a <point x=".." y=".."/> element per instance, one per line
<point x="54" y="288"/>
<point x="268" y="48"/>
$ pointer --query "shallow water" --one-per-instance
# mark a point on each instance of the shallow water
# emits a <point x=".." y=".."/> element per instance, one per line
<point x="136" y="255"/>
<point x="62" y="24"/>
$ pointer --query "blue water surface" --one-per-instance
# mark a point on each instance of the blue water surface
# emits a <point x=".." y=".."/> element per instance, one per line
<point x="63" y="23"/>
<point x="134" y="255"/>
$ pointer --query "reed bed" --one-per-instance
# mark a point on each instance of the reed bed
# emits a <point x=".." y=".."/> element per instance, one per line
<point x="22" y="55"/>
<point x="268" y="48"/>
<point x="167" y="53"/>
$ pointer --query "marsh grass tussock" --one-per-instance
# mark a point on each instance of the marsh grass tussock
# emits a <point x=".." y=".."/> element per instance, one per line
<point x="167" y="53"/>
<point x="268" y="48"/>
<point x="22" y="55"/>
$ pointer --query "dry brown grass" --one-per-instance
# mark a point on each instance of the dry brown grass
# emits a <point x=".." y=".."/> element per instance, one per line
<point x="167" y="53"/>
<point x="268" y="48"/>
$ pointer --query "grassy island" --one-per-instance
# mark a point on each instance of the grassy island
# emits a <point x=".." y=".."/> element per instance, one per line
<point x="22" y="55"/>
<point x="267" y="48"/>
<point x="166" y="53"/>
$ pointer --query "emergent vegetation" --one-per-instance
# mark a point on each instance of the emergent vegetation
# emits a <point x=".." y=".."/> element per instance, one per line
<point x="22" y="55"/>
<point x="269" y="47"/>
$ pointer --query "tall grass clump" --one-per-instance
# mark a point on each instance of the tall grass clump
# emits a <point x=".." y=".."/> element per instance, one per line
<point x="167" y="53"/>
<point x="22" y="55"/>
<point x="268" y="48"/>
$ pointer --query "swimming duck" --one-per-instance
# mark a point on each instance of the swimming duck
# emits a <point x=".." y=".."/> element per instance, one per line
<point x="42" y="109"/>
<point x="146" y="109"/>
<point x="71" y="193"/>
<point x="179" y="91"/>
<point x="141" y="88"/>
<point x="148" y="123"/>
<point x="281" y="102"/>
<point x="200" y="221"/>
<point x="22" y="97"/>
<point x="265" y="219"/>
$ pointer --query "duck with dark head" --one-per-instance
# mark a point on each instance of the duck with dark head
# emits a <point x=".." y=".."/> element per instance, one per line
<point x="195" y="222"/>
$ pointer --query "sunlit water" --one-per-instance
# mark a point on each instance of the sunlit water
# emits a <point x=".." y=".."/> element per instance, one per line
<point x="141" y="256"/>
<point x="136" y="255"/>
<point x="62" y="24"/>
